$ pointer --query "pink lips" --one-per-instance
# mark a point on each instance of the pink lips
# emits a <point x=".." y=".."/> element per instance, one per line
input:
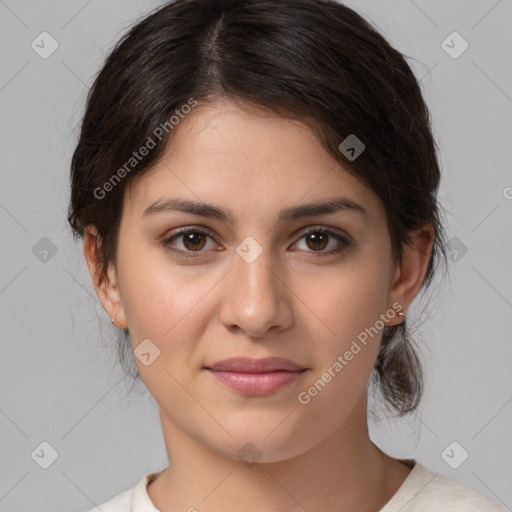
<point x="256" y="376"/>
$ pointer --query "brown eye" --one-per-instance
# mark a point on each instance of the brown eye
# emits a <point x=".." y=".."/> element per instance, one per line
<point x="194" y="240"/>
<point x="317" y="240"/>
<point x="188" y="241"/>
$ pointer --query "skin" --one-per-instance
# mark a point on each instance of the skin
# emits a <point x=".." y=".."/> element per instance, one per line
<point x="290" y="302"/>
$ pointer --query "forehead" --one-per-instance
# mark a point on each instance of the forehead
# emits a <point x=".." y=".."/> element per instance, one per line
<point x="248" y="159"/>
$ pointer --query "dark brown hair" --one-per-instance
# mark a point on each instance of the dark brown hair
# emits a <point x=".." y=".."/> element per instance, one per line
<point x="313" y="60"/>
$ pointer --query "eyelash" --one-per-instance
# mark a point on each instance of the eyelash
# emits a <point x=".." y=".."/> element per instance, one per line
<point x="345" y="242"/>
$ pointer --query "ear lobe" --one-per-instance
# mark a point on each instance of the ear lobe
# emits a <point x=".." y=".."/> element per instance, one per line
<point x="107" y="289"/>
<point x="410" y="274"/>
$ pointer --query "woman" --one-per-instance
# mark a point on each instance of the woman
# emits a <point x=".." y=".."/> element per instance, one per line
<point x="255" y="184"/>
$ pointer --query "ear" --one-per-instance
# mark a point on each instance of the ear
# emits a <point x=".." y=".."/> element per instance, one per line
<point x="408" y="276"/>
<point x="108" y="290"/>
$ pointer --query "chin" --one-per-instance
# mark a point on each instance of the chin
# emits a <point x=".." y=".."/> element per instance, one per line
<point x="253" y="444"/>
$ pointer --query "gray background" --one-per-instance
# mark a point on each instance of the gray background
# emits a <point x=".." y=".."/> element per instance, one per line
<point x="59" y="379"/>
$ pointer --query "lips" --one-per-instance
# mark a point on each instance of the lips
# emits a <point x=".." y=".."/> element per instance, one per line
<point x="248" y="365"/>
<point x="256" y="377"/>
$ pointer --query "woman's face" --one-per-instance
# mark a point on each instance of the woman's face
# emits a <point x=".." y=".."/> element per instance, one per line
<point x="251" y="283"/>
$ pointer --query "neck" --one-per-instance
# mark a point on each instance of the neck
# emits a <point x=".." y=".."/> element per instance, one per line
<point x="346" y="471"/>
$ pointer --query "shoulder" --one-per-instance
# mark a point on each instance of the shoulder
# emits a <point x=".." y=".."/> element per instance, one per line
<point x="455" y="495"/>
<point x="135" y="499"/>
<point x="428" y="491"/>
<point x="120" y="503"/>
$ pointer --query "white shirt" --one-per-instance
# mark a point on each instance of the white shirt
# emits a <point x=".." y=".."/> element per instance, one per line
<point x="422" y="491"/>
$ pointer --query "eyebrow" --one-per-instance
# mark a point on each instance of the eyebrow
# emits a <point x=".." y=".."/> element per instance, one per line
<point x="314" y="209"/>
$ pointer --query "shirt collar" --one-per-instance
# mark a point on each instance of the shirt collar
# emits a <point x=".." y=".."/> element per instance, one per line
<point x="141" y="501"/>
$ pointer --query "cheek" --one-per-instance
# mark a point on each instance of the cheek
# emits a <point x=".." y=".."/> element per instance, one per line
<point x="346" y="304"/>
<point x="155" y="296"/>
<point x="164" y="303"/>
<point x="350" y="307"/>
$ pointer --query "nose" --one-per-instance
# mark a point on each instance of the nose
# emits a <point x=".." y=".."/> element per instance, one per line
<point x="256" y="298"/>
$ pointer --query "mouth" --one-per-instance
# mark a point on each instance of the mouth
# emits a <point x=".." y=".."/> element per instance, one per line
<point x="256" y="377"/>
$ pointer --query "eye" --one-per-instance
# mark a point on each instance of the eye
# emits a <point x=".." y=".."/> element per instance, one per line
<point x="192" y="240"/>
<point x="317" y="239"/>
